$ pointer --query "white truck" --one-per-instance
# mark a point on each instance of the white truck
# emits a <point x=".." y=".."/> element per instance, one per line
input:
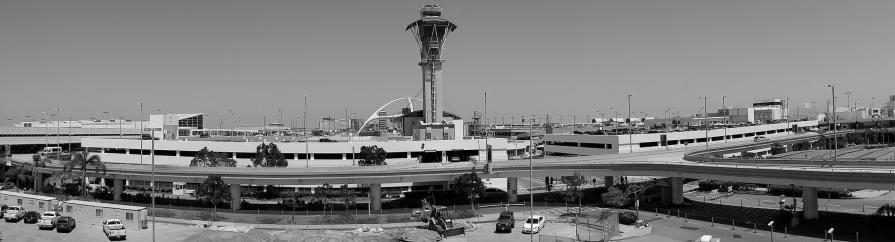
<point x="113" y="228"/>
<point x="48" y="220"/>
<point x="14" y="213"/>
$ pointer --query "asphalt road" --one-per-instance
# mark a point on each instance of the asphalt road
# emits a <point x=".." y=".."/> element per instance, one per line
<point x="22" y="232"/>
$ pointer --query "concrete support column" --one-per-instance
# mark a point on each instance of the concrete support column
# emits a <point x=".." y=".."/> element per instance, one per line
<point x="608" y="181"/>
<point x="375" y="196"/>
<point x="235" y="196"/>
<point x="312" y="156"/>
<point x="512" y="189"/>
<point x="178" y="153"/>
<point x="38" y="182"/>
<point x="117" y="188"/>
<point x="344" y="156"/>
<point x="809" y="202"/>
<point x="409" y="156"/>
<point x="127" y="151"/>
<point x="234" y="155"/>
<point x="677" y="190"/>
<point x="295" y="157"/>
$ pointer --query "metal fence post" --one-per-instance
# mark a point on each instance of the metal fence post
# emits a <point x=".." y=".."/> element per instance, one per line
<point x="733" y="224"/>
<point x="713" y="221"/>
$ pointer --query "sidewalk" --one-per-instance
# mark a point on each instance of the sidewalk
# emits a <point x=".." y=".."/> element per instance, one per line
<point x="481" y="219"/>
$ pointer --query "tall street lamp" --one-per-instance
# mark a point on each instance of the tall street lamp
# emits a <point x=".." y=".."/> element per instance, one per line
<point x="304" y="122"/>
<point x="630" y="127"/>
<point x="705" y="123"/>
<point x="531" y="197"/>
<point x="835" y="137"/>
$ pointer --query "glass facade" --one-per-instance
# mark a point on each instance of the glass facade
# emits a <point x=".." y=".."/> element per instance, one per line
<point x="193" y="122"/>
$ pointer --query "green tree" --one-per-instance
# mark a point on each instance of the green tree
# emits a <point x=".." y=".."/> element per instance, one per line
<point x="21" y="175"/>
<point x="471" y="185"/>
<point x="81" y="160"/>
<point x="885" y="210"/>
<point x="615" y="197"/>
<point x="268" y="155"/>
<point x="215" y="191"/>
<point x="372" y="155"/>
<point x="777" y="148"/>
<point x="348" y="196"/>
<point x="208" y="158"/>
<point x="573" y="192"/>
<point x="323" y="194"/>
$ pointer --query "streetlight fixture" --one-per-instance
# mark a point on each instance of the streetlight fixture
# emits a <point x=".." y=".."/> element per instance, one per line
<point x="771" y="224"/>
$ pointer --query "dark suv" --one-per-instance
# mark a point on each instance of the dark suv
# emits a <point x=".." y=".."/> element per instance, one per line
<point x="506" y="221"/>
<point x="65" y="223"/>
<point x="31" y="217"/>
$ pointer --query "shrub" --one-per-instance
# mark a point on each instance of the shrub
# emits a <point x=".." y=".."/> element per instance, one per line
<point x="627" y="218"/>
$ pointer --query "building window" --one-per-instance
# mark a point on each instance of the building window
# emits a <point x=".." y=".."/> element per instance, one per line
<point x="68" y="209"/>
<point x="129" y="216"/>
<point x="40" y="205"/>
<point x="99" y="212"/>
<point x="19" y="201"/>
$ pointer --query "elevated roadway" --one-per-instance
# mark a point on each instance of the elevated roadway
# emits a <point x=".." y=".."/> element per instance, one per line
<point x="658" y="163"/>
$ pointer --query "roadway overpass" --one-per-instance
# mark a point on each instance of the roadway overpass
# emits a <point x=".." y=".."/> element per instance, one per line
<point x="658" y="163"/>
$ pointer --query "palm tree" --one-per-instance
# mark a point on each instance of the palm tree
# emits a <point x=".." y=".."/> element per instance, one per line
<point x="81" y="160"/>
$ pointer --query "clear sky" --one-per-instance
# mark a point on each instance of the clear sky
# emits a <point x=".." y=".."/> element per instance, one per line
<point x="532" y="57"/>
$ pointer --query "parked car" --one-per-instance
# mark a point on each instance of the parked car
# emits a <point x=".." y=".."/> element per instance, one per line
<point x="13" y="214"/>
<point x="48" y="220"/>
<point x="31" y="217"/>
<point x="113" y="228"/>
<point x="506" y="221"/>
<point x="761" y="138"/>
<point x="533" y="224"/>
<point x="65" y="223"/>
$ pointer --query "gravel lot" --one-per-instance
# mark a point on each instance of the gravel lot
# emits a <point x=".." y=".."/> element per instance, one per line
<point x="23" y="232"/>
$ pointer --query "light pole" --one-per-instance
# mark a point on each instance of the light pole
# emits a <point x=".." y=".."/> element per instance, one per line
<point x="727" y="115"/>
<point x="630" y="127"/>
<point x="141" y="133"/>
<point x="120" y="118"/>
<point x="531" y="193"/>
<point x="771" y="224"/>
<point x="304" y="122"/>
<point x="705" y="123"/>
<point x="835" y="138"/>
<point x="58" y="141"/>
<point x="152" y="183"/>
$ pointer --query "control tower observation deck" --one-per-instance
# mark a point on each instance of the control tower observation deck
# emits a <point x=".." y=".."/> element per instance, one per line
<point x="430" y="31"/>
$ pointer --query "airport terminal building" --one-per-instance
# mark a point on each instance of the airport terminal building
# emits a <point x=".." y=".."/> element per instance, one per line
<point x="583" y="144"/>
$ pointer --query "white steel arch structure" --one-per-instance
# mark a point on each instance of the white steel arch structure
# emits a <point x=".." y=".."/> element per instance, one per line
<point x="375" y="114"/>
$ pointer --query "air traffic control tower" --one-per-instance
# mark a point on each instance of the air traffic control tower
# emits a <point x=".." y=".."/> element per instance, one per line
<point x="430" y="32"/>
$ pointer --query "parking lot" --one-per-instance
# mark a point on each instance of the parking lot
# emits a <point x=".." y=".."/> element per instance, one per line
<point x="23" y="232"/>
